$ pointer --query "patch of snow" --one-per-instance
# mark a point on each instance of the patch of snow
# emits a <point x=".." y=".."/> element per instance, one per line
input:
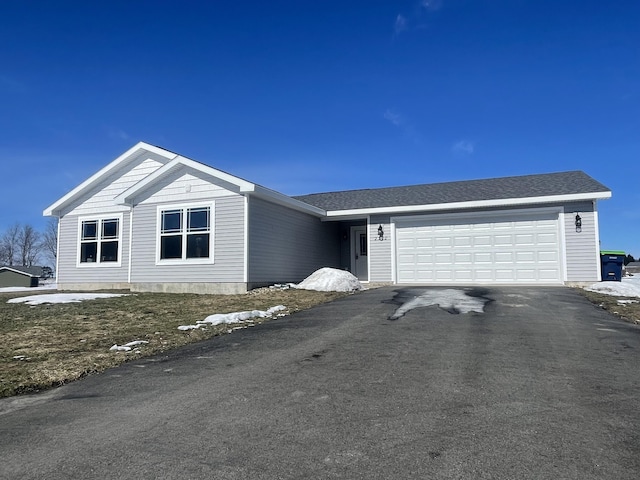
<point x="330" y="280"/>
<point x="127" y="346"/>
<point x="627" y="302"/>
<point x="234" y="317"/>
<point x="120" y="348"/>
<point x="62" y="298"/>
<point x="450" y="299"/>
<point x="628" y="287"/>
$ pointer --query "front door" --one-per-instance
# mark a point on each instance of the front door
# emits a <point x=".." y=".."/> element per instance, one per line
<point x="359" y="253"/>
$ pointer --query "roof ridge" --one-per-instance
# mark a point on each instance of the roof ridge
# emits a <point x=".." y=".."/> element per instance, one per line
<point x="442" y="183"/>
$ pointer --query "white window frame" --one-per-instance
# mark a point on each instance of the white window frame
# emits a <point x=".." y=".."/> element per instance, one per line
<point x="184" y="233"/>
<point x="99" y="240"/>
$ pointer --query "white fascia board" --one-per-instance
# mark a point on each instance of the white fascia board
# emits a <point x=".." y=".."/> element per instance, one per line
<point x="27" y="274"/>
<point x="243" y="185"/>
<point x="286" y="201"/>
<point x="98" y="176"/>
<point x="177" y="162"/>
<point x="336" y="214"/>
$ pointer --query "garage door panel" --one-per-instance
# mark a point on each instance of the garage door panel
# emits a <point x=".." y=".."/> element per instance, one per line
<point x="463" y="241"/>
<point x="501" y="248"/>
<point x="547" y="239"/>
<point x="443" y="242"/>
<point x="444" y="275"/>
<point x="424" y="242"/>
<point x="548" y="256"/>
<point x="504" y="257"/>
<point x="464" y="275"/>
<point x="444" y="258"/>
<point x="525" y="239"/>
<point x="462" y="258"/>
<point x="503" y="240"/>
<point x="502" y="275"/>
<point x="480" y="258"/>
<point x="526" y="274"/>
<point x="482" y="241"/>
<point x="526" y="257"/>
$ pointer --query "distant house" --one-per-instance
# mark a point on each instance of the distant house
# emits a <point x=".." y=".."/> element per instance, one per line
<point x="154" y="220"/>
<point x="14" y="276"/>
<point x="633" y="268"/>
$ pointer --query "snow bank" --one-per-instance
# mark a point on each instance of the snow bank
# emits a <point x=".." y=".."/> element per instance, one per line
<point x="234" y="317"/>
<point x="628" y="287"/>
<point x="62" y="298"/>
<point x="330" y="280"/>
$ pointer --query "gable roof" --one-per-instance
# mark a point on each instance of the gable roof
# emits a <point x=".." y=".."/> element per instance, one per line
<point x="526" y="189"/>
<point x="27" y="271"/>
<point x="129" y="156"/>
<point x="173" y="163"/>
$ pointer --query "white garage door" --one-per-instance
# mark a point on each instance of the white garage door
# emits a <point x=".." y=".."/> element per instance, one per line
<point x="506" y="248"/>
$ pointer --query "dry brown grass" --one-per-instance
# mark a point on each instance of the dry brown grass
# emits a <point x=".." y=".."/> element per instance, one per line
<point x="49" y="345"/>
<point x="629" y="312"/>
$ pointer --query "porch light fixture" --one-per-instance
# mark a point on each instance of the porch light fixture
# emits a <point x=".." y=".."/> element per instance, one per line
<point x="380" y="233"/>
<point x="578" y="223"/>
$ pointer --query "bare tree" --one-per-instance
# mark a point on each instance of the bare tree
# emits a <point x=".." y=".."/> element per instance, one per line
<point x="28" y="245"/>
<point x="9" y="245"/>
<point x="50" y="239"/>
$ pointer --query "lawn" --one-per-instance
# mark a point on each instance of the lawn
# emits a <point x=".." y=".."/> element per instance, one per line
<point x="627" y="308"/>
<point x="48" y="345"/>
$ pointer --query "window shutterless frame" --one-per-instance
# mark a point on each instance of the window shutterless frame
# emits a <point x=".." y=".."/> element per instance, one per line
<point x="100" y="241"/>
<point x="185" y="234"/>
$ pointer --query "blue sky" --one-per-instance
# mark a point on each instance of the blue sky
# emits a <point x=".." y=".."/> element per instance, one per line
<point x="309" y="96"/>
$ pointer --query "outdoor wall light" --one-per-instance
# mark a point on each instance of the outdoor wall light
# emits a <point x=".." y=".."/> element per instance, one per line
<point x="578" y="223"/>
<point x="380" y="233"/>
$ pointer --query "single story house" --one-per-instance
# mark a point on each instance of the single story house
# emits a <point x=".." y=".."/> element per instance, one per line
<point x="154" y="220"/>
<point x="632" y="268"/>
<point x="17" y="276"/>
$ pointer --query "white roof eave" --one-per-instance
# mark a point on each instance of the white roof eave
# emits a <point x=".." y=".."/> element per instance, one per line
<point x="286" y="201"/>
<point x="360" y="212"/>
<point x="54" y="208"/>
<point x="179" y="161"/>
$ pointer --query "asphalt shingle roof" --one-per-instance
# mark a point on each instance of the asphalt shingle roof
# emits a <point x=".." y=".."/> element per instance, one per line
<point x="549" y="184"/>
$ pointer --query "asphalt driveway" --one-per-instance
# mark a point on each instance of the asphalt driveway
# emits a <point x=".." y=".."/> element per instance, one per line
<point x="541" y="384"/>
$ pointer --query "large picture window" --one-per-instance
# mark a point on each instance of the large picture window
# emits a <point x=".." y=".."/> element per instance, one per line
<point x="185" y="233"/>
<point x="99" y="240"/>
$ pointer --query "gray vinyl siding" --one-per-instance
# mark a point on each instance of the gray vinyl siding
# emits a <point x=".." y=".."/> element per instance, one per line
<point x="380" y="251"/>
<point x="581" y="249"/>
<point x="70" y="273"/>
<point x="228" y="252"/>
<point x="286" y="245"/>
<point x="100" y="198"/>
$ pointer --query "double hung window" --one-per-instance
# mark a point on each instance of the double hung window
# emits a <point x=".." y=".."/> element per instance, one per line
<point x="185" y="233"/>
<point x="100" y="240"/>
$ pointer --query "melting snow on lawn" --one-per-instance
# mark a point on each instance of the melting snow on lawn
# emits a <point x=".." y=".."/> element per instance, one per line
<point x="628" y="287"/>
<point x="62" y="298"/>
<point x="127" y="346"/>
<point x="234" y="317"/>
<point x="330" y="280"/>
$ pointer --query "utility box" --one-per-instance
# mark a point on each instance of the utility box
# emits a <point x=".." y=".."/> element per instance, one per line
<point x="611" y="262"/>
